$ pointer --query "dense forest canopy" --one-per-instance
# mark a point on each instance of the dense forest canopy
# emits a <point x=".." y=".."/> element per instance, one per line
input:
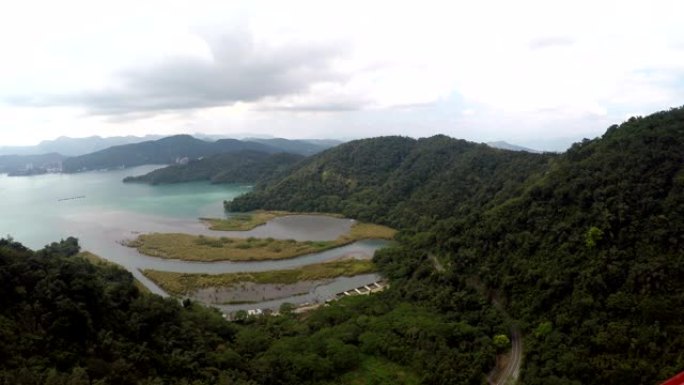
<point x="237" y="167"/>
<point x="583" y="252"/>
<point x="66" y="321"/>
<point x="585" y="249"/>
<point x="399" y="181"/>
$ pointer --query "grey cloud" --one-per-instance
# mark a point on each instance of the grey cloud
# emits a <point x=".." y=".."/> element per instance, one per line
<point x="239" y="71"/>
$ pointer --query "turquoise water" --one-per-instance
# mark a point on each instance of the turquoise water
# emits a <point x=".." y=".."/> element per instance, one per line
<point x="32" y="213"/>
<point x="103" y="212"/>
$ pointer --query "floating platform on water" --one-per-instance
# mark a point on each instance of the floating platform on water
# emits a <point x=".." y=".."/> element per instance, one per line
<point x="71" y="198"/>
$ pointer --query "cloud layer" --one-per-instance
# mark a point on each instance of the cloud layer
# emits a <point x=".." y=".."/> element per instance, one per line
<point x="237" y="70"/>
<point x="484" y="71"/>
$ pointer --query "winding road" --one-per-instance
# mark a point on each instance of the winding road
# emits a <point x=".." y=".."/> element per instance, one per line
<point x="510" y="373"/>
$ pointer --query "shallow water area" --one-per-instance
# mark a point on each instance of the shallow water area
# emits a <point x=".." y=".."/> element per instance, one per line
<point x="102" y="212"/>
<point x="43" y="208"/>
<point x="316" y="295"/>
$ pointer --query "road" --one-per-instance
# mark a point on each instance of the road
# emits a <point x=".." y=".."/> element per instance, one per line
<point x="509" y="374"/>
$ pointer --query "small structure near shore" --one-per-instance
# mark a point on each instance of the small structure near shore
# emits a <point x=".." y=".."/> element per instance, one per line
<point x="363" y="290"/>
<point x="305" y="307"/>
<point x="255" y="312"/>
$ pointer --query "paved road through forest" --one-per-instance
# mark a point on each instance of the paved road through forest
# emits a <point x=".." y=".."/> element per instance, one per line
<point x="509" y="374"/>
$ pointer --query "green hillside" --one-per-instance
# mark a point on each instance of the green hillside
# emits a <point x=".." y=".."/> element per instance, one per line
<point x="582" y="252"/>
<point x="399" y="181"/>
<point x="66" y="321"/>
<point x="591" y="257"/>
<point x="585" y="250"/>
<point x="237" y="167"/>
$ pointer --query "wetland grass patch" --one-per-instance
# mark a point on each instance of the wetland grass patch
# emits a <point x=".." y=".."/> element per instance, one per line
<point x="186" y="283"/>
<point x="211" y="249"/>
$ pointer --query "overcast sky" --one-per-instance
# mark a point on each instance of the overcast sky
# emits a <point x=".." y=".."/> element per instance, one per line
<point x="536" y="73"/>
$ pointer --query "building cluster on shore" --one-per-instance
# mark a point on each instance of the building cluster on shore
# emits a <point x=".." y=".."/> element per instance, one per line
<point x="305" y="307"/>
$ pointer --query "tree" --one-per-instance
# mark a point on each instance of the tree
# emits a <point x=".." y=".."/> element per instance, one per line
<point x="593" y="236"/>
<point x="286" y="308"/>
<point x="501" y="342"/>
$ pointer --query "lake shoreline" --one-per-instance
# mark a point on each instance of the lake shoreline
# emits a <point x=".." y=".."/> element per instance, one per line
<point x="114" y="211"/>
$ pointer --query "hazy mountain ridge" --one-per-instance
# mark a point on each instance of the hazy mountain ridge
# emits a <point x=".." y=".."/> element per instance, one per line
<point x="75" y="146"/>
<point x="163" y="151"/>
<point x="178" y="148"/>
<point x="503" y="145"/>
<point x="297" y="146"/>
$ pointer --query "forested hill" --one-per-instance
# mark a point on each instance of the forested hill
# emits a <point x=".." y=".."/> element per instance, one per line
<point x="298" y="146"/>
<point x="162" y="151"/>
<point x="65" y="321"/>
<point x="234" y="167"/>
<point x="591" y="257"/>
<point x="585" y="250"/>
<point x="399" y="181"/>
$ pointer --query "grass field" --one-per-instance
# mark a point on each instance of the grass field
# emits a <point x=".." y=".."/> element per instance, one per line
<point x="97" y="260"/>
<point x="248" y="221"/>
<point x="184" y="283"/>
<point x="210" y="249"/>
<point x="361" y="230"/>
<point x="243" y="221"/>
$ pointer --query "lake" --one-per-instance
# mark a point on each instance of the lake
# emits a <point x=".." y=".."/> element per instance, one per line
<point x="101" y="211"/>
<point x="33" y="214"/>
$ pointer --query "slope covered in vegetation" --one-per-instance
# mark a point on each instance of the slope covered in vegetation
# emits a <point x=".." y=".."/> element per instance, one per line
<point x="585" y="249"/>
<point x="238" y="167"/>
<point x="591" y="257"/>
<point x="66" y="321"/>
<point x="398" y="181"/>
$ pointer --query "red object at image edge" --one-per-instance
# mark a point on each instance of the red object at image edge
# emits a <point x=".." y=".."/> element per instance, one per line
<point x="676" y="380"/>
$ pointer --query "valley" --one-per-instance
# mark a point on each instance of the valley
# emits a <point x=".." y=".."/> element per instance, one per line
<point x="552" y="265"/>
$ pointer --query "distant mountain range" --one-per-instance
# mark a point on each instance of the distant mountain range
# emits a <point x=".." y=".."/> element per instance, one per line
<point x="507" y="146"/>
<point x="70" y="147"/>
<point x="181" y="149"/>
<point x="75" y="146"/>
<point x="167" y="150"/>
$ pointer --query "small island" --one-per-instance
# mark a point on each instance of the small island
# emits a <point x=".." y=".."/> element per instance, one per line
<point x="187" y="284"/>
<point x="202" y="248"/>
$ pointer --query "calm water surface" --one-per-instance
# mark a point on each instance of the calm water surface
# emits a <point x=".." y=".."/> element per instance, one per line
<point x="34" y="215"/>
<point x="38" y="210"/>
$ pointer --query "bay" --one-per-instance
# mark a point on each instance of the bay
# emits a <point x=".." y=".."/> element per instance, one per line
<point x="103" y="212"/>
<point x="36" y="210"/>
